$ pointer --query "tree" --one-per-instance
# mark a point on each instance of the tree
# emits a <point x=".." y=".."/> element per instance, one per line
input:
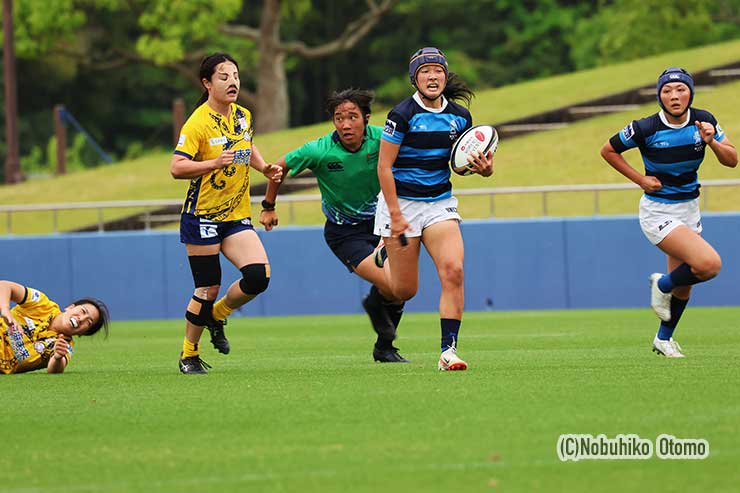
<point x="630" y="29"/>
<point x="174" y="32"/>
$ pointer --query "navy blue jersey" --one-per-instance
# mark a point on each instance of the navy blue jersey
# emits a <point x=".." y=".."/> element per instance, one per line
<point x="425" y="136"/>
<point x="671" y="153"/>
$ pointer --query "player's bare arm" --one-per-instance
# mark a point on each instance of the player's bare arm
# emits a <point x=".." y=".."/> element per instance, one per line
<point x="616" y="161"/>
<point x="10" y="291"/>
<point x="386" y="158"/>
<point x="272" y="172"/>
<point x="268" y="215"/>
<point x="725" y="151"/>
<point x="58" y="361"/>
<point x="183" y="168"/>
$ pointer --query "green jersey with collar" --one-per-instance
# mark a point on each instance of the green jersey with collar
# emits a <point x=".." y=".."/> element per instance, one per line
<point x="348" y="181"/>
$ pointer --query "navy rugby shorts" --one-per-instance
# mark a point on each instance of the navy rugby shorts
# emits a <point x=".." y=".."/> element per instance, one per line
<point x="351" y="243"/>
<point x="196" y="230"/>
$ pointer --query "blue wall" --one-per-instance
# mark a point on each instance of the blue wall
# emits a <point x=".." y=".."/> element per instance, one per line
<point x="517" y="264"/>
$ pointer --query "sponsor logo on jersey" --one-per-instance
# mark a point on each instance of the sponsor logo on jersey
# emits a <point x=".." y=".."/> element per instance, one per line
<point x="243" y="122"/>
<point x="698" y="142"/>
<point x="39" y="347"/>
<point x="17" y="346"/>
<point x="335" y="166"/>
<point x="628" y="132"/>
<point x="218" y="141"/>
<point x="718" y="130"/>
<point x="242" y="156"/>
<point x="181" y="140"/>
<point x="35" y="295"/>
<point x="247" y="137"/>
<point x="390" y="127"/>
<point x="453" y="130"/>
<point x="30" y="325"/>
<point x="661" y="143"/>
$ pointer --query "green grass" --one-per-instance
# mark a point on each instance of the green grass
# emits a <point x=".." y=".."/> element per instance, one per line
<point x="299" y="406"/>
<point x="565" y="156"/>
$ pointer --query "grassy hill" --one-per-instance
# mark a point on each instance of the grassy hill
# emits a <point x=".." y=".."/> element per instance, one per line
<point x="564" y="156"/>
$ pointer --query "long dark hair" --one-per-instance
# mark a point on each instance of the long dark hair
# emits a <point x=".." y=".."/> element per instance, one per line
<point x="457" y="90"/>
<point x="104" y="318"/>
<point x="362" y="98"/>
<point x="208" y="67"/>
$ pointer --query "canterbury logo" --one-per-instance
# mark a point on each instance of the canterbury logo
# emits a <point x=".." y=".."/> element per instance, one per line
<point x="335" y="166"/>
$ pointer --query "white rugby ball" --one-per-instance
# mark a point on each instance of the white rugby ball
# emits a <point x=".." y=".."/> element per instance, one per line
<point x="480" y="138"/>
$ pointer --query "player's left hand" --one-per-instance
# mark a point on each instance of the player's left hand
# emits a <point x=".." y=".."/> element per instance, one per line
<point x="481" y="163"/>
<point x="268" y="219"/>
<point x="273" y="172"/>
<point x="706" y="131"/>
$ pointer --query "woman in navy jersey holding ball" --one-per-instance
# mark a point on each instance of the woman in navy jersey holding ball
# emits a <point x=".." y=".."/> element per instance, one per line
<point x="672" y="143"/>
<point x="416" y="204"/>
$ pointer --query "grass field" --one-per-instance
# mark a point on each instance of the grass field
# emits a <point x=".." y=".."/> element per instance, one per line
<point x="299" y="407"/>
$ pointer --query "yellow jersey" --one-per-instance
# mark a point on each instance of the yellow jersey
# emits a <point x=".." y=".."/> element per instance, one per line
<point x="30" y="348"/>
<point x="221" y="195"/>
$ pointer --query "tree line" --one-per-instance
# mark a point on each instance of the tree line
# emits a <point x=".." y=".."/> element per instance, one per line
<point x="118" y="64"/>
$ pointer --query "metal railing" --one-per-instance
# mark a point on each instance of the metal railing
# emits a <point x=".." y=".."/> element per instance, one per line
<point x="150" y="217"/>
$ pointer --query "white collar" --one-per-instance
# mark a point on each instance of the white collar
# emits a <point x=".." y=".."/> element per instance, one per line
<point x="673" y="125"/>
<point x="417" y="98"/>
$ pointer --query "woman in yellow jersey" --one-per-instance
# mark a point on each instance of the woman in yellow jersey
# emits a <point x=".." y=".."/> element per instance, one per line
<point x="215" y="152"/>
<point x="37" y="334"/>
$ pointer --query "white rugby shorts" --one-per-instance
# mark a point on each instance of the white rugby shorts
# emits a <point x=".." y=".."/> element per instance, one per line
<point x="418" y="213"/>
<point x="658" y="219"/>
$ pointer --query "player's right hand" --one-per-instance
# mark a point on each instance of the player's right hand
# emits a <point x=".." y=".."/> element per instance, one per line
<point x="9" y="320"/>
<point x="399" y="225"/>
<point x="61" y="347"/>
<point x="268" y="219"/>
<point x="650" y="184"/>
<point x="224" y="159"/>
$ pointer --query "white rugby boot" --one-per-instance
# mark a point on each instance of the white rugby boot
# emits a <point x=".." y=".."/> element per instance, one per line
<point x="659" y="301"/>
<point x="669" y="348"/>
<point x="450" y="361"/>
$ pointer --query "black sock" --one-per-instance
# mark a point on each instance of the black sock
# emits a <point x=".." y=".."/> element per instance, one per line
<point x="450" y="328"/>
<point x="666" y="329"/>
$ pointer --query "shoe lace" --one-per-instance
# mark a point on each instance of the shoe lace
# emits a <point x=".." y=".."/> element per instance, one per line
<point x="203" y="363"/>
<point x="195" y="360"/>
<point x="453" y="346"/>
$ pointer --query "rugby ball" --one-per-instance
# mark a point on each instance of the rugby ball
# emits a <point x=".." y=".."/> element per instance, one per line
<point x="480" y="138"/>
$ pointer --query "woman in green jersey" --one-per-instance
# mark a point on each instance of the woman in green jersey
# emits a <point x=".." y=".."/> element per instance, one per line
<point x="345" y="163"/>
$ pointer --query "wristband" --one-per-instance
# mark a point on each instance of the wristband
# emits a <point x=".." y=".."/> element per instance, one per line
<point x="268" y="206"/>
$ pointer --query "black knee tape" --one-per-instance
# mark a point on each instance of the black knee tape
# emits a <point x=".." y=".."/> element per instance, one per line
<point x="204" y="317"/>
<point x="206" y="270"/>
<point x="254" y="278"/>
